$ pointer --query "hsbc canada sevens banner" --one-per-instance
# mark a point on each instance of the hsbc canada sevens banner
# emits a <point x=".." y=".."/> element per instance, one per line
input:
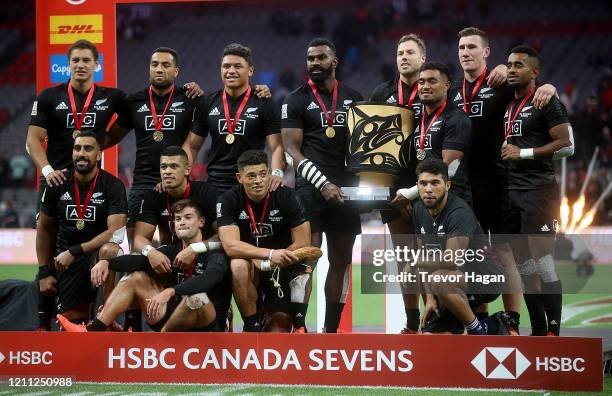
<point x="555" y="363"/>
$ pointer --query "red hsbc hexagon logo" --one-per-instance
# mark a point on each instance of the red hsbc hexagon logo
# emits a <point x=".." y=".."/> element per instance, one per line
<point x="500" y="363"/>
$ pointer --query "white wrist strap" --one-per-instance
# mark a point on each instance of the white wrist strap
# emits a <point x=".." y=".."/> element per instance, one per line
<point x="199" y="247"/>
<point x="146" y="250"/>
<point x="278" y="172"/>
<point x="409" y="193"/>
<point x="526" y="153"/>
<point x="265" y="265"/>
<point x="46" y="170"/>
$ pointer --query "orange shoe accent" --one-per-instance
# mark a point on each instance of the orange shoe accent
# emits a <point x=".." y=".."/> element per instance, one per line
<point x="300" y="330"/>
<point x="70" y="327"/>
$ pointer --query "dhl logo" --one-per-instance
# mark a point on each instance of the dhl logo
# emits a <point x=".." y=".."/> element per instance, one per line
<point x="66" y="29"/>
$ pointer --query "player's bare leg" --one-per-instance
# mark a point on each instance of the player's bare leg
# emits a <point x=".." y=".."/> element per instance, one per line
<point x="244" y="281"/>
<point x="191" y="313"/>
<point x="336" y="284"/>
<point x="301" y="290"/>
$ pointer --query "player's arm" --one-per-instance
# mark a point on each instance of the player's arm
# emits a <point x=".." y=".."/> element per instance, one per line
<point x="562" y="145"/>
<point x="275" y="144"/>
<point x="192" y="145"/>
<point x="46" y="234"/>
<point x="143" y="239"/>
<point x="300" y="236"/>
<point x="199" y="130"/>
<point x="454" y="243"/>
<point x="126" y="263"/>
<point x="235" y="248"/>
<point x="215" y="271"/>
<point x="36" y="135"/>
<point x="115" y="134"/>
<point x="449" y="156"/>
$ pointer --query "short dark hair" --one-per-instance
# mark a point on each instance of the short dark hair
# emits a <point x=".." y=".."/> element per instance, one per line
<point x="238" y="50"/>
<point x="532" y="55"/>
<point x="474" y="31"/>
<point x="172" y="151"/>
<point x="319" y="41"/>
<point x="91" y="134"/>
<point x="252" y="157"/>
<point x="417" y="40"/>
<point x="83" y="44"/>
<point x="178" y="206"/>
<point x="439" y="66"/>
<point x="169" y="51"/>
<point x="434" y="166"/>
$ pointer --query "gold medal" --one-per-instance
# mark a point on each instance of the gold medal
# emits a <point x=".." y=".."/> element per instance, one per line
<point x="330" y="132"/>
<point x="229" y="138"/>
<point x="80" y="224"/>
<point x="420" y="154"/>
<point x="76" y="133"/>
<point x="158" y="136"/>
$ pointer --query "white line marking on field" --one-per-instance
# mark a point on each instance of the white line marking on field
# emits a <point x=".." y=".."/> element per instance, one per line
<point x="579" y="308"/>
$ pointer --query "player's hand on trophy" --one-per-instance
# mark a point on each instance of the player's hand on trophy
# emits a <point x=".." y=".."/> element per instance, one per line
<point x="193" y="90"/>
<point x="56" y="177"/>
<point x="542" y="95"/>
<point x="63" y="260"/>
<point x="47" y="286"/>
<point x="402" y="204"/>
<point x="159" y="262"/>
<point x="184" y="259"/>
<point x="497" y="77"/>
<point x="99" y="273"/>
<point x="510" y="152"/>
<point x="333" y="194"/>
<point x="263" y="91"/>
<point x="283" y="257"/>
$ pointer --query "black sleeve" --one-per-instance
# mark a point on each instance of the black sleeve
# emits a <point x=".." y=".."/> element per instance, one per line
<point x="208" y="201"/>
<point x="296" y="215"/>
<point x="117" y="199"/>
<point x="458" y="133"/>
<point x="461" y="222"/>
<point x="129" y="263"/>
<point x="41" y="110"/>
<point x="48" y="201"/>
<point x="292" y="111"/>
<point x="416" y="217"/>
<point x="199" y="125"/>
<point x="149" y="208"/>
<point x="124" y="114"/>
<point x="272" y="122"/>
<point x="554" y="113"/>
<point x="378" y="95"/>
<point x="216" y="268"/>
<point x="227" y="209"/>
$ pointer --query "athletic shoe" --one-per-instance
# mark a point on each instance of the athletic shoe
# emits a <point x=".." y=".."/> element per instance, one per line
<point x="70" y="327"/>
<point x="115" y="326"/>
<point x="550" y="334"/>
<point x="300" y="330"/>
<point x="408" y="330"/>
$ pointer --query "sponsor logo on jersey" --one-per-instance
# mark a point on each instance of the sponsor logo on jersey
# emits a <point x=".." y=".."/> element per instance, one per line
<point x="475" y="109"/>
<point x="176" y="104"/>
<point x="339" y="119"/>
<point x="239" y="130"/>
<point x="251" y="109"/>
<point x="66" y="197"/>
<point x="35" y="108"/>
<point x="312" y="106"/>
<point x="284" y="111"/>
<point x="88" y="122"/>
<point x="66" y="29"/>
<point x="72" y="214"/>
<point x="214" y="112"/>
<point x="61" y="106"/>
<point x="347" y="102"/>
<point x="218" y="209"/>
<point x="391" y="99"/>
<point x="100" y="105"/>
<point x="545" y="228"/>
<point x="243" y="215"/>
<point x="168" y="123"/>
<point x="176" y="107"/>
<point x="144" y="108"/>
<point x="517" y="128"/>
<point x="99" y="102"/>
<point x="458" y="96"/>
<point x="485" y="89"/>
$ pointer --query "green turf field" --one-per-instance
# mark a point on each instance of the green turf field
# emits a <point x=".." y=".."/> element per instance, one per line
<point x="368" y="309"/>
<point x="183" y="389"/>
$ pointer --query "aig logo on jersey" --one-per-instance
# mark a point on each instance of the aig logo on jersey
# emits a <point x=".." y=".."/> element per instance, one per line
<point x="72" y="214"/>
<point x="88" y="122"/>
<point x="239" y="130"/>
<point x="517" y="128"/>
<point x="264" y="230"/>
<point x="339" y="119"/>
<point x="167" y="123"/>
<point x="475" y="108"/>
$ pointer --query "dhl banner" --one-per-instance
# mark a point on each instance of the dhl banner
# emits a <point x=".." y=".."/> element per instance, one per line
<point x="552" y="363"/>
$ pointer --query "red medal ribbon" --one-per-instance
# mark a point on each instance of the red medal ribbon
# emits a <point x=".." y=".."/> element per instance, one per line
<point x="466" y="102"/>
<point x="168" y="207"/>
<point x="512" y="118"/>
<point x="400" y="93"/>
<point x="159" y="122"/>
<point x="330" y="117"/>
<point x="231" y="126"/>
<point x="424" y="131"/>
<point x="78" y="121"/>
<point x="81" y="209"/>
<point x="247" y="203"/>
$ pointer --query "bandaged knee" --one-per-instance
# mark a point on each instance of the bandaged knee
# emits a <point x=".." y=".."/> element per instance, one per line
<point x="545" y="267"/>
<point x="118" y="236"/>
<point x="197" y="301"/>
<point x="527" y="268"/>
<point x="297" y="286"/>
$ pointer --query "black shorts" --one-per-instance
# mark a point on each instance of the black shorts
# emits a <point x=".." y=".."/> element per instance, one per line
<point x="222" y="181"/>
<point x="268" y="293"/>
<point x="74" y="286"/>
<point x="134" y="204"/>
<point x="487" y="193"/>
<point x="325" y="217"/>
<point x="170" y="308"/>
<point x="463" y="192"/>
<point x="531" y="211"/>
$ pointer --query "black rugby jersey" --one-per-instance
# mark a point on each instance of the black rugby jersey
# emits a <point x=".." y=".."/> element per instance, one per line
<point x="387" y="93"/>
<point x="176" y="125"/>
<point x="108" y="198"/>
<point x="258" y="119"/>
<point x="154" y="207"/>
<point x="530" y="130"/>
<point x="486" y="112"/>
<point x="283" y="212"/>
<point x="52" y="111"/>
<point x="452" y="130"/>
<point x="301" y="110"/>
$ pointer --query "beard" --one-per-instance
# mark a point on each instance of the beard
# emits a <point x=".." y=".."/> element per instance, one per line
<point x="84" y="169"/>
<point x="161" y="85"/>
<point x="436" y="204"/>
<point x="320" y="77"/>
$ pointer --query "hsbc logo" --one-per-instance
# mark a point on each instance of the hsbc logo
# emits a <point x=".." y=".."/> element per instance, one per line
<point x="500" y="363"/>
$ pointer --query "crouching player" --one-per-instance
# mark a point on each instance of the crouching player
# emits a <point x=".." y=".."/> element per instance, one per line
<point x="181" y="300"/>
<point x="458" y="268"/>
<point x="259" y="229"/>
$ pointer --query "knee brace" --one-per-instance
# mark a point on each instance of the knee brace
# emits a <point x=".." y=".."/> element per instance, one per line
<point x="527" y="268"/>
<point x="546" y="269"/>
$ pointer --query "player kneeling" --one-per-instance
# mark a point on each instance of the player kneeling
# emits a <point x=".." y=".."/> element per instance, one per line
<point x="260" y="230"/>
<point x="459" y="270"/>
<point x="174" y="300"/>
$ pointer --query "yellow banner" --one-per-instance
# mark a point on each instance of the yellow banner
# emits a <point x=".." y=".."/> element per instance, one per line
<point x="66" y="29"/>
